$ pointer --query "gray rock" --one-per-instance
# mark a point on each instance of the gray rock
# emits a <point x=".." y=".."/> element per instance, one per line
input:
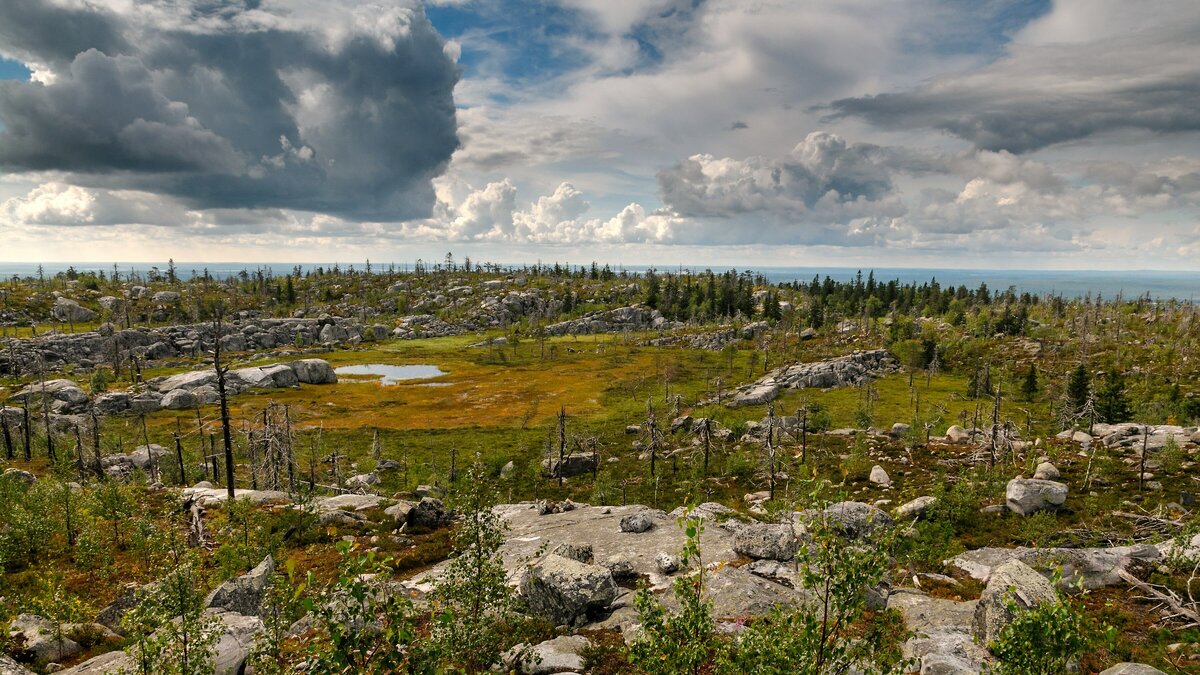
<point x="104" y="664"/>
<point x="145" y="403"/>
<point x="428" y="514"/>
<point x="637" y="522"/>
<point x="914" y="509"/>
<point x="856" y="519"/>
<point x="1013" y="581"/>
<point x="879" y="476"/>
<point x="1095" y="567"/>
<point x="34" y="636"/>
<point x="766" y="541"/>
<point x="574" y="464"/>
<point x="245" y="593"/>
<point x="581" y="552"/>
<point x="1025" y="496"/>
<point x="314" y="371"/>
<point x="20" y="475"/>
<point x="565" y="591"/>
<point x="236" y="641"/>
<point x="166" y="298"/>
<point x="399" y="511"/>
<point x="11" y="667"/>
<point x="69" y="310"/>
<point x="667" y="563"/>
<point x="957" y="434"/>
<point x="142" y="454"/>
<point x="1132" y="669"/>
<point x="349" y="502"/>
<point x="179" y="399"/>
<point x="560" y="655"/>
<point x="111" y="403"/>
<point x="339" y="518"/>
<point x="1046" y="471"/>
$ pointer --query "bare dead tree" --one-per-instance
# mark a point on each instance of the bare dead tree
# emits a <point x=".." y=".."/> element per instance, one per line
<point x="222" y="394"/>
<point x="8" y="443"/>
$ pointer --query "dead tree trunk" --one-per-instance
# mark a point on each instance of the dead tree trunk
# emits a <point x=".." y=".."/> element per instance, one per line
<point x="562" y="441"/>
<point x="8" y="443"/>
<point x="25" y="427"/>
<point x="224" y="400"/>
<point x="98" y="466"/>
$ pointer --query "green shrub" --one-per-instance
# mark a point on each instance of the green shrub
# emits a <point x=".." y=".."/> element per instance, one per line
<point x="681" y="642"/>
<point x="1044" y="640"/>
<point x="835" y="633"/>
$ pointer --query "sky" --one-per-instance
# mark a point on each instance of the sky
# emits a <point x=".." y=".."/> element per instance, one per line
<point x="929" y="133"/>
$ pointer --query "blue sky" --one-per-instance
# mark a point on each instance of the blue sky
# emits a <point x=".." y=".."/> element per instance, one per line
<point x="1061" y="133"/>
<point x="13" y="70"/>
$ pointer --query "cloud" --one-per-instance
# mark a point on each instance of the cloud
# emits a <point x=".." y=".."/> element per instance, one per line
<point x="333" y="107"/>
<point x="822" y="169"/>
<point x="1135" y="68"/>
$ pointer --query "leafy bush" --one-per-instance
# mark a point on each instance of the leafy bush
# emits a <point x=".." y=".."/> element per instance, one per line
<point x="362" y="626"/>
<point x="682" y="642"/>
<point x="1044" y="640"/>
<point x="835" y="633"/>
<point x="475" y="610"/>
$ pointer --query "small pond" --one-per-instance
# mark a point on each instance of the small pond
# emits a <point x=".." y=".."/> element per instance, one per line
<point x="391" y="374"/>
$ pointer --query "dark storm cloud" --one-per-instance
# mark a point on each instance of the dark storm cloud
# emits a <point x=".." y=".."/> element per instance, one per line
<point x="327" y="107"/>
<point x="1058" y="91"/>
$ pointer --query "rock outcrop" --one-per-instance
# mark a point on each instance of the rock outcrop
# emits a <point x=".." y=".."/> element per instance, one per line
<point x="839" y="372"/>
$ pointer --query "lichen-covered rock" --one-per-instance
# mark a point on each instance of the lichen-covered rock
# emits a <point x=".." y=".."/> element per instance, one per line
<point x="179" y="399"/>
<point x="1046" y="471"/>
<point x="565" y="591"/>
<point x="428" y="514"/>
<point x="915" y="509"/>
<point x="1025" y="496"/>
<point x="34" y="637"/>
<point x="245" y="593"/>
<point x="766" y="541"/>
<point x="1013" y="588"/>
<point x="574" y="464"/>
<point x="637" y="522"/>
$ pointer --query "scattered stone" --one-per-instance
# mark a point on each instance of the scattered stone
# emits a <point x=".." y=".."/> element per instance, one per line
<point x="880" y="477"/>
<point x="637" y="522"/>
<point x="1025" y="496"/>
<point x="667" y="563"/>
<point x="428" y="514"/>
<point x="915" y="509"/>
<point x="1046" y="471"/>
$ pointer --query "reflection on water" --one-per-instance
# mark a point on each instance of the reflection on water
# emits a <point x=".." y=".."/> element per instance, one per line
<point x="391" y="374"/>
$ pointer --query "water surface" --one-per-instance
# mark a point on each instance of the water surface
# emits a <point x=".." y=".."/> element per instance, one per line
<point x="389" y="374"/>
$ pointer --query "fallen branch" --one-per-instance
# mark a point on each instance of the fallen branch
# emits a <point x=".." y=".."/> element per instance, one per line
<point x="1167" y="598"/>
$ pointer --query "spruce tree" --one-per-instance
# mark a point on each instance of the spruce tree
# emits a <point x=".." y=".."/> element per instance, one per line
<point x="1112" y="406"/>
<point x="1078" y="388"/>
<point x="1029" y="387"/>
